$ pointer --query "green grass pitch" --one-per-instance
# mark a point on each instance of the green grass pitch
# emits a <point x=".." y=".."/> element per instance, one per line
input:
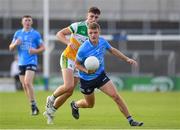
<point x="157" y="110"/>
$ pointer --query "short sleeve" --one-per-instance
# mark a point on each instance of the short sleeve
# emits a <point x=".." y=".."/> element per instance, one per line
<point x="15" y="36"/>
<point x="108" y="46"/>
<point x="73" y="27"/>
<point x="39" y="38"/>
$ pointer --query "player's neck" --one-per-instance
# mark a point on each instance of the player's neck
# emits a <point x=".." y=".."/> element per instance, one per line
<point x="26" y="29"/>
<point x="94" y="42"/>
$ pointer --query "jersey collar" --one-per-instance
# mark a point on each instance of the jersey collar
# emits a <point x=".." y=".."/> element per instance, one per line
<point x="92" y="45"/>
<point x="27" y="31"/>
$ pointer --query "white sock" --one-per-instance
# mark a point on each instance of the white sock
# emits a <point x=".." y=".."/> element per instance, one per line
<point x="52" y="98"/>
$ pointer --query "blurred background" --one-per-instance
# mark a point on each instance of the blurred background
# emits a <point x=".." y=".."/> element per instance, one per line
<point x="146" y="30"/>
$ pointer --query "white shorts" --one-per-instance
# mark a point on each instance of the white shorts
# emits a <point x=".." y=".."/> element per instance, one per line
<point x="66" y="63"/>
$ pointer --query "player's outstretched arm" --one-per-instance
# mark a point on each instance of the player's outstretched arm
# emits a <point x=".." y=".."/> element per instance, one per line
<point x="123" y="57"/>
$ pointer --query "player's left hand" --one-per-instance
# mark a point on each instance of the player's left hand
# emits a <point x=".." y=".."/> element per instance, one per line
<point x="32" y="51"/>
<point x="132" y="62"/>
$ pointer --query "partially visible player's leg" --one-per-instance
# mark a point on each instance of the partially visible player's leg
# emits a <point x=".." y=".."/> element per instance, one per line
<point x="87" y="102"/>
<point x="28" y="80"/>
<point x="69" y="91"/>
<point x="21" y="77"/>
<point x="68" y="68"/>
<point x="69" y="83"/>
<point x="61" y="94"/>
<point x="110" y="90"/>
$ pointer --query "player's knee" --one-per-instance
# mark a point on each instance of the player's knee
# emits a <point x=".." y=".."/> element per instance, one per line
<point x="23" y="85"/>
<point x="69" y="88"/>
<point x="69" y="92"/>
<point x="115" y="97"/>
<point x="27" y="83"/>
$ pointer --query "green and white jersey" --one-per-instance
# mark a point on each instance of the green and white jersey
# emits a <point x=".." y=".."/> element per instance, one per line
<point x="78" y="36"/>
<point x="79" y="31"/>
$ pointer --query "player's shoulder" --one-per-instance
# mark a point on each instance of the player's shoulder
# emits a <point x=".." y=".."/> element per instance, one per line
<point x="84" y="46"/>
<point x="86" y="43"/>
<point x="35" y="31"/>
<point x="80" y="23"/>
<point x="18" y="31"/>
<point x="101" y="39"/>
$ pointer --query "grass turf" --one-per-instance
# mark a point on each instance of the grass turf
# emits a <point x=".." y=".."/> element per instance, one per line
<point x="157" y="110"/>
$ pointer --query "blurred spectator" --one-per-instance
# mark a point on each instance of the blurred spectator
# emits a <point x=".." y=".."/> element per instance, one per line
<point x="14" y="72"/>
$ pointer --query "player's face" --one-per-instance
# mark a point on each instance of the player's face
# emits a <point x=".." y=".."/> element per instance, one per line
<point x="93" y="35"/>
<point x="91" y="17"/>
<point x="27" y="23"/>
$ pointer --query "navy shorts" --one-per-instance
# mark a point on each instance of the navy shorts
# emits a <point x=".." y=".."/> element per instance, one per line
<point x="87" y="86"/>
<point x="23" y="68"/>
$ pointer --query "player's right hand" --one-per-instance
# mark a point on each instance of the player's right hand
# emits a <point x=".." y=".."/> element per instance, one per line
<point x="91" y="71"/>
<point x="18" y="42"/>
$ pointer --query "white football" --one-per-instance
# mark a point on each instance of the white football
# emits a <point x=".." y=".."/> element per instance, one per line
<point x="91" y="63"/>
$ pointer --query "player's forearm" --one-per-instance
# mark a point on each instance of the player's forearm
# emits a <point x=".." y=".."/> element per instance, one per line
<point x="80" y="67"/>
<point x="12" y="46"/>
<point x="62" y="38"/>
<point x="37" y="51"/>
<point x="41" y="49"/>
<point x="119" y="54"/>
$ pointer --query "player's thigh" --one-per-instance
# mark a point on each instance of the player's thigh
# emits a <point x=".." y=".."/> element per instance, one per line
<point x="68" y="77"/>
<point x="109" y="89"/>
<point x="29" y="76"/>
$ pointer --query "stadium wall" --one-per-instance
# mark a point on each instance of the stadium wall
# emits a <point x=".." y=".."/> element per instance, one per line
<point x="112" y="10"/>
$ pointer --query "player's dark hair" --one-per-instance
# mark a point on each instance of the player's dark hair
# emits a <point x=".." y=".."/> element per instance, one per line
<point x="94" y="10"/>
<point x="93" y="26"/>
<point x="27" y="16"/>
